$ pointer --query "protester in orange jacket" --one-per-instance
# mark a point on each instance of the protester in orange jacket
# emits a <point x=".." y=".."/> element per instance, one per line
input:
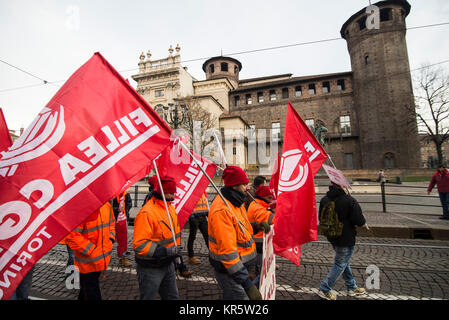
<point x="154" y="248"/>
<point x="232" y="251"/>
<point x="92" y="243"/>
<point x="259" y="212"/>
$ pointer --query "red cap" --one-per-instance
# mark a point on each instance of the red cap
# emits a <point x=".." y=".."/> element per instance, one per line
<point x="152" y="181"/>
<point x="233" y="176"/>
<point x="263" y="191"/>
<point x="168" y="184"/>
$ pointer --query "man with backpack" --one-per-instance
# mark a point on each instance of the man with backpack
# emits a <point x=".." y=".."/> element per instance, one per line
<point x="339" y="215"/>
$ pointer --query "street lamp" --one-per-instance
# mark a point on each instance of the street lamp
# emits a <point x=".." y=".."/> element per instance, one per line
<point x="175" y="122"/>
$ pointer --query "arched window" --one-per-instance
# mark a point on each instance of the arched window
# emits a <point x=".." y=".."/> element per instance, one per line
<point x="389" y="160"/>
<point x="160" y="111"/>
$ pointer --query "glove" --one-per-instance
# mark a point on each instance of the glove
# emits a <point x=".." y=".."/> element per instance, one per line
<point x="174" y="251"/>
<point x="254" y="293"/>
<point x="264" y="226"/>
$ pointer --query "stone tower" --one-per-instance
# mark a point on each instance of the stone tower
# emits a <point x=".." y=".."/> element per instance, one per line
<point x="223" y="67"/>
<point x="383" y="94"/>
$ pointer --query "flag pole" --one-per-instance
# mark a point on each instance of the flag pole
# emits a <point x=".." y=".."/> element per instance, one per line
<point x="220" y="149"/>
<point x="204" y="172"/>
<point x="329" y="157"/>
<point x="166" y="207"/>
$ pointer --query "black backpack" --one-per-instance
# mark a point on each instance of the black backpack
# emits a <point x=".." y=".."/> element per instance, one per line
<point x="330" y="226"/>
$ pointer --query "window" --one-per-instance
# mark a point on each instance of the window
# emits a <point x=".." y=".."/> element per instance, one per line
<point x="326" y="87"/>
<point x="252" y="134"/>
<point x="234" y="150"/>
<point x="385" y="14"/>
<point x="284" y="93"/>
<point x="159" y="93"/>
<point x="260" y="97"/>
<point x="362" y="23"/>
<point x="237" y="101"/>
<point x="389" y="160"/>
<point x="212" y="68"/>
<point x="312" y="89"/>
<point x="349" y="161"/>
<point x="272" y="95"/>
<point x="298" y="91"/>
<point x="341" y="85"/>
<point x="345" y="125"/>
<point x="367" y="59"/>
<point x="310" y="123"/>
<point x="224" y="66"/>
<point x="276" y="131"/>
<point x="236" y="69"/>
<point x="248" y="99"/>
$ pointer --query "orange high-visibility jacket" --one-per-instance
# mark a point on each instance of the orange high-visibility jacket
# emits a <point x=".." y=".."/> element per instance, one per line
<point x="230" y="236"/>
<point x="91" y="240"/>
<point x="201" y="205"/>
<point x="152" y="228"/>
<point x="258" y="212"/>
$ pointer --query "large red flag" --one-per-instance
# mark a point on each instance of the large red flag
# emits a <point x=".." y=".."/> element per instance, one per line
<point x="5" y="136"/>
<point x="94" y="135"/>
<point x="296" y="217"/>
<point x="190" y="180"/>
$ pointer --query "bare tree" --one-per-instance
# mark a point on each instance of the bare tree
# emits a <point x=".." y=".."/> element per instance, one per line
<point x="198" y="121"/>
<point x="432" y="105"/>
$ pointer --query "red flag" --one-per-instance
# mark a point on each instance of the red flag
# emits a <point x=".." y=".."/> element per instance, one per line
<point x="296" y="217"/>
<point x="121" y="227"/>
<point x="274" y="182"/>
<point x="94" y="135"/>
<point x="190" y="180"/>
<point x="5" y="136"/>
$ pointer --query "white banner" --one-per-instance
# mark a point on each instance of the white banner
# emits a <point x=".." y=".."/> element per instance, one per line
<point x="267" y="285"/>
<point x="336" y="176"/>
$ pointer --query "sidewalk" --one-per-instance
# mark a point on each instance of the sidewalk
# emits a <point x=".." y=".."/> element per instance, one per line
<point x="405" y="226"/>
<point x="392" y="225"/>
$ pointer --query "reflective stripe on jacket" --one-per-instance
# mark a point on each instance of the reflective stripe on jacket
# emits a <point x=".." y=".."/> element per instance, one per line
<point x="201" y="206"/>
<point x="258" y="212"/>
<point x="152" y="228"/>
<point x="91" y="240"/>
<point x="230" y="236"/>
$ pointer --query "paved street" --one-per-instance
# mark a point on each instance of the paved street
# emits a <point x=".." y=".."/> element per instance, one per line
<point x="408" y="270"/>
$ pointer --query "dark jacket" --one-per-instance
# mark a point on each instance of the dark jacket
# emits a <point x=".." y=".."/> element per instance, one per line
<point x="349" y="212"/>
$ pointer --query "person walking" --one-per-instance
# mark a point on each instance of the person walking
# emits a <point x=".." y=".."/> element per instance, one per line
<point x="92" y="243"/>
<point x="154" y="246"/>
<point x="198" y="220"/>
<point x="232" y="251"/>
<point x="259" y="212"/>
<point x="441" y="179"/>
<point x="350" y="215"/>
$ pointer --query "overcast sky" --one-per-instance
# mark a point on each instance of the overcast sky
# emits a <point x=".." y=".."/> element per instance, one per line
<point x="51" y="39"/>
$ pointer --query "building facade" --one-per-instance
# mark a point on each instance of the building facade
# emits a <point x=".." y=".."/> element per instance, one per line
<point x="368" y="111"/>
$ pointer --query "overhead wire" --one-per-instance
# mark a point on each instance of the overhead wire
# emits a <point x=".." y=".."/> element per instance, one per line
<point x="234" y="54"/>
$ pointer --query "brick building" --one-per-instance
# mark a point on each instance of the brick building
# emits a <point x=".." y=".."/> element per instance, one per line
<point x="366" y="110"/>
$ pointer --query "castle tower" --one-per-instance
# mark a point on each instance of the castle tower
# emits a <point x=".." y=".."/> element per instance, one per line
<point x="383" y="94"/>
<point x="223" y="67"/>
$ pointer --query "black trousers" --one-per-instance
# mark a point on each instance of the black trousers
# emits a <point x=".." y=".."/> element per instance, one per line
<point x="197" y="222"/>
<point x="90" y="286"/>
